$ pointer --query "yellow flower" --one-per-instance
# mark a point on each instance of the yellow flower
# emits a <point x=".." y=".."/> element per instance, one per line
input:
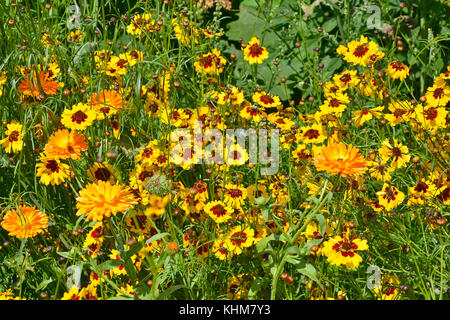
<point x="266" y="100"/>
<point x="141" y="23"/>
<point x="239" y="238"/>
<point x="345" y="80"/>
<point x="211" y="63"/>
<point x="397" y="152"/>
<point x="254" y="53"/>
<point x="342" y="250"/>
<point x="335" y="103"/>
<point x="101" y="171"/>
<point x="313" y="134"/>
<point x="52" y="171"/>
<point x="361" y="52"/>
<point x="218" y="211"/>
<point x="439" y="94"/>
<point x="75" y="36"/>
<point x="431" y="118"/>
<point x="389" y="289"/>
<point x="390" y="197"/>
<point x="79" y="117"/>
<point x="402" y="111"/>
<point x="73" y="294"/>
<point x="365" y="114"/>
<point x="397" y="70"/>
<point x="13" y="141"/>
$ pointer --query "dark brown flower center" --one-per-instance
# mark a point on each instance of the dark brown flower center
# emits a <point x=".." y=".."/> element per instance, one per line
<point x="79" y="117"/>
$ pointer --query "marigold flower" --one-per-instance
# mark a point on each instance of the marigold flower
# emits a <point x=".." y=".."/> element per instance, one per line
<point x="64" y="145"/>
<point x="101" y="199"/>
<point x="32" y="87"/>
<point x="340" y="159"/>
<point x="106" y="103"/>
<point x="24" y="223"/>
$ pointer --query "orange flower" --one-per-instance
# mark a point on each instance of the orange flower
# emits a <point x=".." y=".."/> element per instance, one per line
<point x="26" y="223"/>
<point x="30" y="87"/>
<point x="338" y="159"/>
<point x="101" y="199"/>
<point x="64" y="144"/>
<point x="106" y="103"/>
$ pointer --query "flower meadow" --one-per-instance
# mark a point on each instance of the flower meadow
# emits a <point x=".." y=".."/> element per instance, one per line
<point x="99" y="199"/>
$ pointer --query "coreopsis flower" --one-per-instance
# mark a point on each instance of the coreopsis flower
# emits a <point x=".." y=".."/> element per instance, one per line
<point x="37" y="84"/>
<point x="402" y="111"/>
<point x="79" y="117"/>
<point x="13" y="141"/>
<point x="116" y="67"/>
<point x="314" y="134"/>
<point x="239" y="238"/>
<point x="439" y="94"/>
<point x="365" y="114"/>
<point x="218" y="211"/>
<point x="101" y="171"/>
<point x="75" y="36"/>
<point x="65" y="144"/>
<point x="106" y="103"/>
<point x="282" y="122"/>
<point x="397" y="70"/>
<point x="389" y="288"/>
<point x="361" y="52"/>
<point x="340" y="159"/>
<point x="335" y="104"/>
<point x="430" y="118"/>
<point x="52" y="171"/>
<point x="380" y="170"/>
<point x="220" y="251"/>
<point x="390" y="197"/>
<point x="3" y="79"/>
<point x="25" y="222"/>
<point x="238" y="286"/>
<point x="73" y="294"/>
<point x="140" y="23"/>
<point x="254" y="52"/>
<point x="48" y="41"/>
<point x="251" y="112"/>
<point x="211" y="63"/>
<point x="231" y="95"/>
<point x="397" y="152"/>
<point x="185" y="31"/>
<point x="132" y="57"/>
<point x="301" y="153"/>
<point x="344" y="80"/>
<point x="266" y="100"/>
<point x="235" y="195"/>
<point x="371" y="86"/>
<point x="101" y="199"/>
<point x="341" y="250"/>
<point x="235" y="155"/>
<point x="422" y="191"/>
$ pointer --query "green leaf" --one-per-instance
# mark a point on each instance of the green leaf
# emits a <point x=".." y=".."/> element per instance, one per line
<point x="169" y="291"/>
<point x="262" y="244"/>
<point x="309" y="271"/>
<point x="156" y="237"/>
